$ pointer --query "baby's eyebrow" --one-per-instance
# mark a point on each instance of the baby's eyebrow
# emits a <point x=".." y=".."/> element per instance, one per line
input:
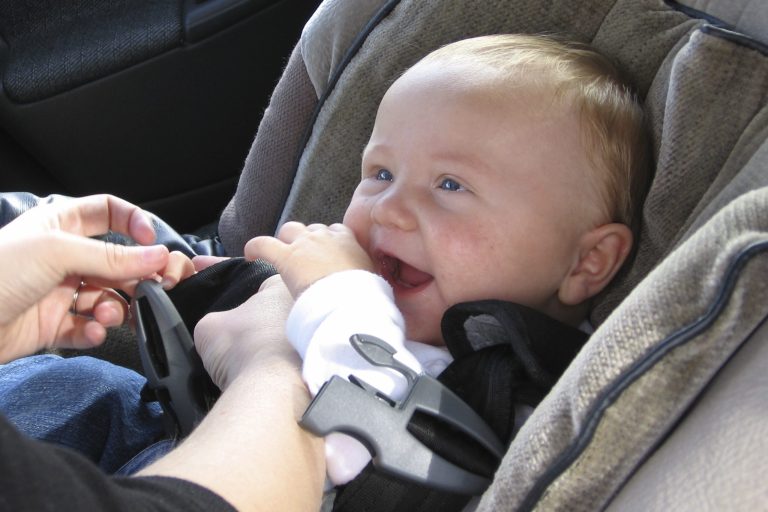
<point x="375" y="149"/>
<point x="463" y="159"/>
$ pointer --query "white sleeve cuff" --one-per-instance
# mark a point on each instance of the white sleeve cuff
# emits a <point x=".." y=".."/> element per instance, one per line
<point x="334" y="308"/>
<point x="319" y="327"/>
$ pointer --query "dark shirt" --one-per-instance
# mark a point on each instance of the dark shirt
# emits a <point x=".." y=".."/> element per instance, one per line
<point x="43" y="477"/>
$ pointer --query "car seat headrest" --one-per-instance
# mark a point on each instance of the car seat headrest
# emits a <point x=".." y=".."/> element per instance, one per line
<point x="329" y="94"/>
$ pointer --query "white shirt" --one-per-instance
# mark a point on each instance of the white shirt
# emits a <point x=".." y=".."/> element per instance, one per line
<point x="319" y="327"/>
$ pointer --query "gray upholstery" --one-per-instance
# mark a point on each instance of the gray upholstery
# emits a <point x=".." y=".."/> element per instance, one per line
<point x="267" y="175"/>
<point x="723" y="438"/>
<point x="703" y="135"/>
<point x="745" y="16"/>
<point x="55" y="45"/>
<point x="706" y="96"/>
<point x="270" y="168"/>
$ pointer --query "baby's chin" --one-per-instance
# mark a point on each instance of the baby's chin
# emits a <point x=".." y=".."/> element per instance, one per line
<point x="423" y="318"/>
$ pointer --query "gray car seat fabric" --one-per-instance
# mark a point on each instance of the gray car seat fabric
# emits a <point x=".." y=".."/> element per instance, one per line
<point x="745" y="16"/>
<point x="723" y="438"/>
<point x="693" y="295"/>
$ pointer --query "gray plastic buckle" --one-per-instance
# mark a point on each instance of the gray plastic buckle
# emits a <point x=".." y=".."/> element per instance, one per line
<point x="358" y="409"/>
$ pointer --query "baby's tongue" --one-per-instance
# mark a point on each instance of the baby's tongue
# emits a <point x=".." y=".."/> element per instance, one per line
<point x="411" y="276"/>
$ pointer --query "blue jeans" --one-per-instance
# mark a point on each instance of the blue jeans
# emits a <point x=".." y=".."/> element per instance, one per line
<point x="87" y="404"/>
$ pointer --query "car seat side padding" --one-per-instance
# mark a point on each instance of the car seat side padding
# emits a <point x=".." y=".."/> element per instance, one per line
<point x="330" y="34"/>
<point x="703" y="134"/>
<point x="748" y="16"/>
<point x="712" y="460"/>
<point x="576" y="450"/>
<point x="267" y="175"/>
<point x="745" y="168"/>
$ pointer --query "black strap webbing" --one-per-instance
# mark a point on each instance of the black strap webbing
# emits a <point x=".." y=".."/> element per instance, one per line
<point x="534" y="352"/>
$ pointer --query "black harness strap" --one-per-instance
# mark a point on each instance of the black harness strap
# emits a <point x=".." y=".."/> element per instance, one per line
<point x="220" y="287"/>
<point x="518" y="370"/>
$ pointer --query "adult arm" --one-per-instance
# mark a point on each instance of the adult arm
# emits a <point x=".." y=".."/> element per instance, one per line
<point x="248" y="452"/>
<point x="250" y="448"/>
<point x="41" y="476"/>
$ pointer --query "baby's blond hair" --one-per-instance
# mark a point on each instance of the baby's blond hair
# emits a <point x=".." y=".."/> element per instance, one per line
<point x="614" y="133"/>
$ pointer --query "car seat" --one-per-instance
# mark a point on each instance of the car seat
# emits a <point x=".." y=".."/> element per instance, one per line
<point x="664" y="408"/>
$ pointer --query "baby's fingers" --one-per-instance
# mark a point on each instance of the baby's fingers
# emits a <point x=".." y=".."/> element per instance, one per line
<point x="290" y="231"/>
<point x="179" y="267"/>
<point x="202" y="262"/>
<point x="267" y="248"/>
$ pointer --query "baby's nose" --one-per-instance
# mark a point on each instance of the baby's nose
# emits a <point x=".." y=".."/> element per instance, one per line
<point x="395" y="209"/>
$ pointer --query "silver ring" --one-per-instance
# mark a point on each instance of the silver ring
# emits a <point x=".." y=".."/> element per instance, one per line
<point x="73" y="308"/>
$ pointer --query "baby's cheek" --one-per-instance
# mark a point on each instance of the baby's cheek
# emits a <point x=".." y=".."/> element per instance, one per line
<point x="468" y="241"/>
<point x="354" y="219"/>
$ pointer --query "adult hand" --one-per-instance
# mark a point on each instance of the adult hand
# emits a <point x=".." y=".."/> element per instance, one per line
<point x="230" y="341"/>
<point x="45" y="255"/>
<point x="305" y="254"/>
<point x="250" y="448"/>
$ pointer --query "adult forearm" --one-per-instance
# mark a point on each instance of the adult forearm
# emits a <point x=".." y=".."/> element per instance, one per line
<point x="250" y="449"/>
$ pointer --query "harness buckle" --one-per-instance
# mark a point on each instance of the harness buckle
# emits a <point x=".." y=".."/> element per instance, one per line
<point x="379" y="422"/>
<point x="174" y="371"/>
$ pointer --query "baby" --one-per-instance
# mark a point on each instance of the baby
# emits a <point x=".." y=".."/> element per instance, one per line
<point x="504" y="167"/>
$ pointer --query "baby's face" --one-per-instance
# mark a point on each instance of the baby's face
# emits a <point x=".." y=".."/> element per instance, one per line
<point x="469" y="193"/>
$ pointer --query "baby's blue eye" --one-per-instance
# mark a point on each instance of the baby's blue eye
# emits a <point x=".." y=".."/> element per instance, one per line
<point x="384" y="175"/>
<point x="451" y="185"/>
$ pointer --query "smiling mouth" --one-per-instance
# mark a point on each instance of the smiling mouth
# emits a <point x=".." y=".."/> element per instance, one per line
<point x="402" y="276"/>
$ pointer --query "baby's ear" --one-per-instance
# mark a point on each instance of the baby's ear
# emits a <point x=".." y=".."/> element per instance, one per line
<point x="602" y="251"/>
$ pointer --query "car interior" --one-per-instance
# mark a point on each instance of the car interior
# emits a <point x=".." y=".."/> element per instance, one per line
<point x="156" y="101"/>
<point x="226" y="119"/>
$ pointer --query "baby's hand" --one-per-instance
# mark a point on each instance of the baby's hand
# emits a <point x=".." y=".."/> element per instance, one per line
<point x="305" y="254"/>
<point x="179" y="267"/>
